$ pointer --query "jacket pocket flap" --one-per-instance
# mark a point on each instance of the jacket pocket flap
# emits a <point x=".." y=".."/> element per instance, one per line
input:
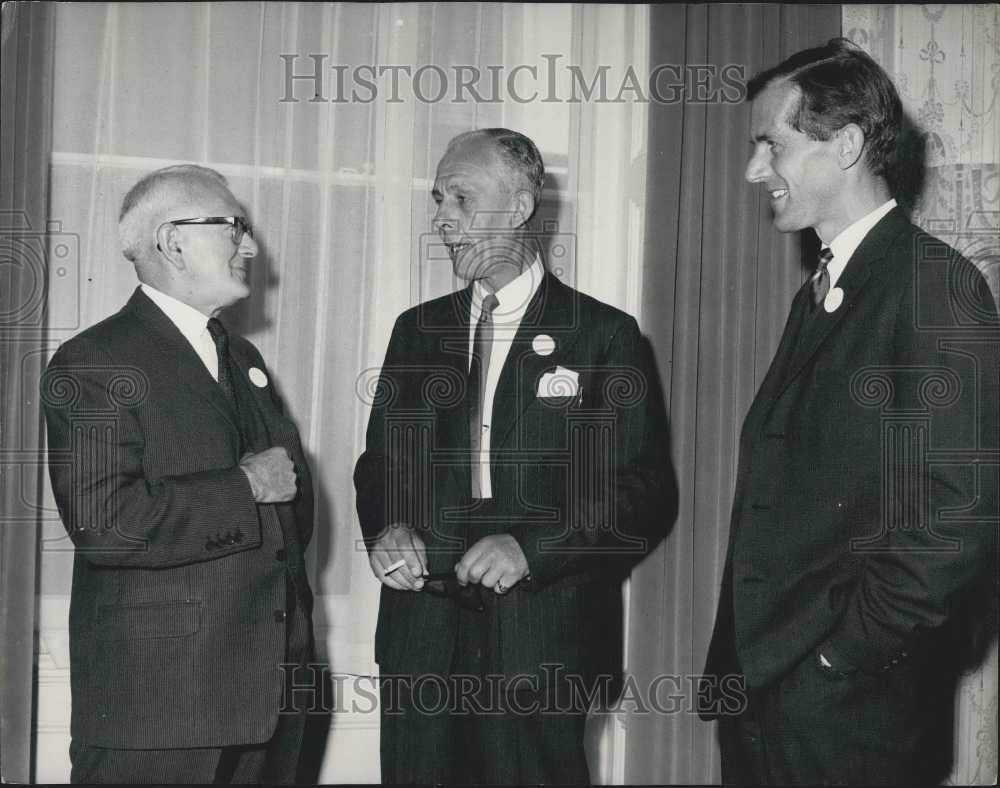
<point x="152" y="620"/>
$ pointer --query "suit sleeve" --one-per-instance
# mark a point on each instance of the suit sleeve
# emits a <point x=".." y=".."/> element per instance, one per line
<point x="115" y="516"/>
<point x="377" y="464"/>
<point x="946" y="537"/>
<point x="630" y="499"/>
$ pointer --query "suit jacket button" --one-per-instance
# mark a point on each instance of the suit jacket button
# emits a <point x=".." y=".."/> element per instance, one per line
<point x="279" y="616"/>
<point x="279" y="555"/>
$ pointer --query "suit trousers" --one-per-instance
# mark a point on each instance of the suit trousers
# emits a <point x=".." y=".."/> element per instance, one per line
<point x="473" y="726"/>
<point x="523" y="737"/>
<point x="792" y="732"/>
<point x="272" y="762"/>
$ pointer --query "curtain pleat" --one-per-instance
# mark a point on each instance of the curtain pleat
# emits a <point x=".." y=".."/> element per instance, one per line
<point x="25" y="240"/>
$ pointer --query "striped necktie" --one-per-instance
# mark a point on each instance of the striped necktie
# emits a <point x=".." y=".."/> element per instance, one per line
<point x="821" y="279"/>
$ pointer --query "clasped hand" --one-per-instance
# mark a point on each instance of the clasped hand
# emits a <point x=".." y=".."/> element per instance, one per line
<point x="271" y="474"/>
<point x="492" y="560"/>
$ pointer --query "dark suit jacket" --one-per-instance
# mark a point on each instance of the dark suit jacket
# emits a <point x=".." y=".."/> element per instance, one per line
<point x="179" y="577"/>
<point x="580" y="481"/>
<point x="861" y="511"/>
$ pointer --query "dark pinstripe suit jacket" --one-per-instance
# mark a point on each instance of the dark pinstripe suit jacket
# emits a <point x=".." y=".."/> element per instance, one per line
<point x="179" y="577"/>
<point x="580" y="481"/>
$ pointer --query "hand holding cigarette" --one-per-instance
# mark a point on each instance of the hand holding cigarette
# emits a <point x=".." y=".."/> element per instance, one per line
<point x="399" y="558"/>
<point x="393" y="567"/>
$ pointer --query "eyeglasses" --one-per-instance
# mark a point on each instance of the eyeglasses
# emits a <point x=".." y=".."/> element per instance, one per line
<point x="239" y="225"/>
<point x="445" y="584"/>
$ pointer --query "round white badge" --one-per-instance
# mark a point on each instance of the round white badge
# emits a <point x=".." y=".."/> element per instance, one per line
<point x="257" y="377"/>
<point x="833" y="300"/>
<point x="543" y="345"/>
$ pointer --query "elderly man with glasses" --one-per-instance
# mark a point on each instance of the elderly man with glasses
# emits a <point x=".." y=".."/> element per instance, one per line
<point x="185" y="491"/>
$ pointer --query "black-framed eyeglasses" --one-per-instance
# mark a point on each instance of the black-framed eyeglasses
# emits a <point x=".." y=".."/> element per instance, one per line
<point x="445" y="584"/>
<point x="240" y="225"/>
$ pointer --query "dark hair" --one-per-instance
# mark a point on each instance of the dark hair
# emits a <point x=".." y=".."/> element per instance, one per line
<point x="517" y="151"/>
<point x="841" y="84"/>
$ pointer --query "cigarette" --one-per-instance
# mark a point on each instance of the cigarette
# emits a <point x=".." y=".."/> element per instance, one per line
<point x="393" y="567"/>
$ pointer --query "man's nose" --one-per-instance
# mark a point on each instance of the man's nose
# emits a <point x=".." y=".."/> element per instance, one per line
<point x="758" y="168"/>
<point x="443" y="221"/>
<point x="248" y="246"/>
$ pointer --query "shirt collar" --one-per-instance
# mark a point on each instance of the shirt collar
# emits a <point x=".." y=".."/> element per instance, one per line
<point x="189" y="321"/>
<point x="513" y="297"/>
<point x="850" y="238"/>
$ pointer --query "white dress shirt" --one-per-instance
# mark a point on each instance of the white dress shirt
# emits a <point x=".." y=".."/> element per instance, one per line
<point x="513" y="299"/>
<point x="191" y="323"/>
<point x="850" y="238"/>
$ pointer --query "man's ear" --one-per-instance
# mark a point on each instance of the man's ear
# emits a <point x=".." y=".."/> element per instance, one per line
<point x="523" y="204"/>
<point x="850" y="145"/>
<point x="168" y="240"/>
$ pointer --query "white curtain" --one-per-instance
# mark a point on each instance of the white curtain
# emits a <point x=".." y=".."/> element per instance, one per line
<point x="337" y="187"/>
<point x="945" y="61"/>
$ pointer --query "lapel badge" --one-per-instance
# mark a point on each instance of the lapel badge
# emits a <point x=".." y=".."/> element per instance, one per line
<point x="833" y="300"/>
<point x="257" y="377"/>
<point x="543" y="344"/>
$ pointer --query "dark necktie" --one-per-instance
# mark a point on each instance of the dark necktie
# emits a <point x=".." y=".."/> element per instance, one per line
<point x="226" y="382"/>
<point x="821" y="279"/>
<point x="221" y="339"/>
<point x="478" y="370"/>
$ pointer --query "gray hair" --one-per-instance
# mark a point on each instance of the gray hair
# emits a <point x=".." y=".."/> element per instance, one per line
<point x="517" y="152"/>
<point x="144" y="205"/>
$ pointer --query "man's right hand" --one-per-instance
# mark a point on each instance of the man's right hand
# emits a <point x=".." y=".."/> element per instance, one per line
<point x="271" y="474"/>
<point x="399" y="542"/>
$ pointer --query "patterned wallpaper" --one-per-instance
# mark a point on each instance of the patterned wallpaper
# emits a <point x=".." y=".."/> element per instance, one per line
<point x="945" y="61"/>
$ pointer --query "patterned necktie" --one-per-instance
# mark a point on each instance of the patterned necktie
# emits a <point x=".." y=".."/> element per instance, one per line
<point x="821" y="279"/>
<point x="478" y="370"/>
<point x="221" y="339"/>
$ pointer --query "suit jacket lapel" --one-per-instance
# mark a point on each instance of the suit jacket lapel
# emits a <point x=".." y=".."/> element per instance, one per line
<point x="854" y="279"/>
<point x="551" y="312"/>
<point x="188" y="367"/>
<point x="449" y="335"/>
<point x="783" y="357"/>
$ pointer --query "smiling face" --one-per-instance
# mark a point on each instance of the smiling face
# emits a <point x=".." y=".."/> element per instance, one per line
<point x="802" y="176"/>
<point x="212" y="269"/>
<point x="479" y="213"/>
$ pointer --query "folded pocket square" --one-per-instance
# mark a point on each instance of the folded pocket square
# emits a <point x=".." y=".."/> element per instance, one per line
<point x="560" y="383"/>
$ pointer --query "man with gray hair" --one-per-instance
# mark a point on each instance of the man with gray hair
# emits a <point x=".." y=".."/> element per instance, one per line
<point x="186" y="494"/>
<point x="516" y="463"/>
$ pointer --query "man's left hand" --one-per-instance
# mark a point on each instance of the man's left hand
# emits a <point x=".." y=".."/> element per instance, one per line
<point x="496" y="562"/>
